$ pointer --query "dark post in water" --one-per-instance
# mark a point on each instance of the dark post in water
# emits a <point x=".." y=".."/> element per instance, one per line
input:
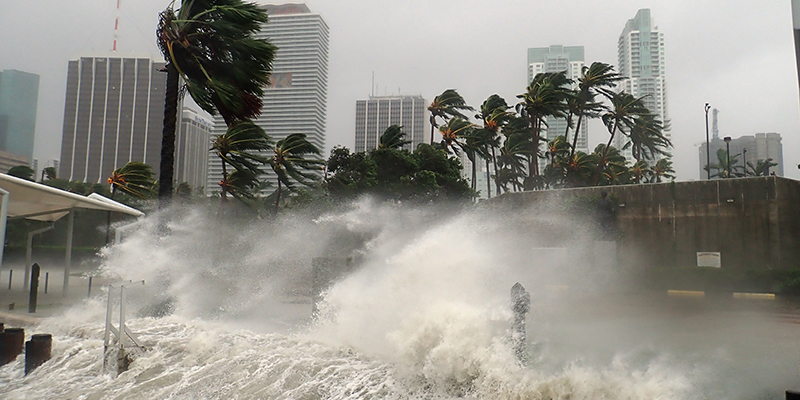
<point x="11" y="342"/>
<point x="37" y="351"/>
<point x="34" y="288"/>
<point x="521" y="303"/>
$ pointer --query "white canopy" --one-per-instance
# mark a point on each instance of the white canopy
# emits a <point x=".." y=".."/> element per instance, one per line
<point x="39" y="202"/>
<point x="25" y="199"/>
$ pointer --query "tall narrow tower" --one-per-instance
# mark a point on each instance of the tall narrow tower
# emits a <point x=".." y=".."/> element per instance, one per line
<point x="641" y="62"/>
<point x="297" y="99"/>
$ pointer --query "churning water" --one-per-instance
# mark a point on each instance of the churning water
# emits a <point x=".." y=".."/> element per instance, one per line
<point x="225" y="314"/>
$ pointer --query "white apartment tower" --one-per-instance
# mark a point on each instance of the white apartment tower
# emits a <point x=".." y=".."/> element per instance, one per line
<point x="556" y="59"/>
<point x="192" y="144"/>
<point x="296" y="101"/>
<point x="641" y="61"/>
<point x="373" y="116"/>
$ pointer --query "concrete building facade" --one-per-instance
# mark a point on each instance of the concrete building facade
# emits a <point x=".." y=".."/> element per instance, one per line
<point x="19" y="98"/>
<point x="642" y="62"/>
<point x="192" y="144"/>
<point x="376" y="114"/>
<point x="113" y="114"/>
<point x="296" y="101"/>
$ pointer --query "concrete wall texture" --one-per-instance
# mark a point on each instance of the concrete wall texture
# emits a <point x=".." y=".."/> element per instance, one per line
<point x="753" y="222"/>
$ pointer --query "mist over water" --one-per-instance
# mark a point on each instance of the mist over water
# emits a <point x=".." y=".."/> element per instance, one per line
<point x="225" y="312"/>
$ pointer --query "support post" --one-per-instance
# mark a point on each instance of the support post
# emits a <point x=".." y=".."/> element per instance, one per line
<point x="10" y="278"/>
<point x="29" y="253"/>
<point x="34" y="295"/>
<point x="68" y="257"/>
<point x="521" y="302"/>
<point x="46" y="281"/>
<point x="3" y="222"/>
<point x="37" y="351"/>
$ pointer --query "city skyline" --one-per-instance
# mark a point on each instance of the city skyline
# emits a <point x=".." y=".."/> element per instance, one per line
<point x="377" y="113"/>
<point x="702" y="61"/>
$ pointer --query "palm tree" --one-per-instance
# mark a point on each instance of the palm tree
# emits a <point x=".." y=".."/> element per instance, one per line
<point x="640" y="171"/>
<point x="135" y="179"/>
<point x="495" y="115"/>
<point x="611" y="166"/>
<point x="647" y="139"/>
<point x="726" y="167"/>
<point x="211" y="45"/>
<point x="455" y="129"/>
<point x="445" y="106"/>
<point x="241" y="184"/>
<point x="580" y="169"/>
<point x="545" y="96"/>
<point x="761" y="167"/>
<point x="621" y="117"/>
<point x="598" y="78"/>
<point x="557" y="154"/>
<point x="511" y="161"/>
<point x="663" y="169"/>
<point x="49" y="173"/>
<point x="393" y="138"/>
<point x="290" y="163"/>
<point x="239" y="147"/>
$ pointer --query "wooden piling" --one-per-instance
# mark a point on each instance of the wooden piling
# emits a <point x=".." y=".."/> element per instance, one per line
<point x="12" y="341"/>
<point x="34" y="295"/>
<point x="37" y="351"/>
<point x="521" y="303"/>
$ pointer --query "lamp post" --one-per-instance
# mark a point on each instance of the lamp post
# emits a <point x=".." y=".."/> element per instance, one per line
<point x="708" y="150"/>
<point x="744" y="160"/>
<point x="727" y="140"/>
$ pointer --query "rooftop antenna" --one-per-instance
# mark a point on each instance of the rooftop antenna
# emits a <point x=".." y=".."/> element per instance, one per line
<point x="116" y="29"/>
<point x="715" y="124"/>
<point x="372" y="89"/>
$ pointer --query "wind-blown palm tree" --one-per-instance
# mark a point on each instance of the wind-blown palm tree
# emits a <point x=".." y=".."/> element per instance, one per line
<point x="545" y="96"/>
<point x="495" y="115"/>
<point x="211" y="45"/>
<point x="290" y="163"/>
<point x="512" y="160"/>
<point x="598" y="78"/>
<point x="663" y="170"/>
<point x="393" y="138"/>
<point x="612" y="168"/>
<point x="240" y="147"/>
<point x="726" y="167"/>
<point x="760" y="168"/>
<point x="620" y="118"/>
<point x="134" y="179"/>
<point x="445" y="106"/>
<point x="49" y="173"/>
<point x="647" y="139"/>
<point x="641" y="172"/>
<point x="455" y="129"/>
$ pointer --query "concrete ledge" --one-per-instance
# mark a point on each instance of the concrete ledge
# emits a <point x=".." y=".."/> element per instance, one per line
<point x="754" y="296"/>
<point x="686" y="293"/>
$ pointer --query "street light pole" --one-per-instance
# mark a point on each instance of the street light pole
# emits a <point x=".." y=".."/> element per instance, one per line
<point x="727" y="140"/>
<point x="708" y="150"/>
<point x="744" y="160"/>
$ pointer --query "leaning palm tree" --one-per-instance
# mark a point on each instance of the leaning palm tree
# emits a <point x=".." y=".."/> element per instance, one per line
<point x="511" y="161"/>
<point x="134" y="179"/>
<point x="456" y="129"/>
<point x="495" y="116"/>
<point x="640" y="171"/>
<point x="646" y="138"/>
<point x="49" y="173"/>
<point x="760" y="168"/>
<point x="393" y="138"/>
<point x="546" y="96"/>
<point x="663" y="170"/>
<point x="240" y="147"/>
<point x="599" y="78"/>
<point x="211" y="45"/>
<point x="290" y="163"/>
<point x="445" y="106"/>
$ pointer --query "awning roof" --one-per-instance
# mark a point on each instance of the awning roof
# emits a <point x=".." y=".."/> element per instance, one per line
<point x="39" y="202"/>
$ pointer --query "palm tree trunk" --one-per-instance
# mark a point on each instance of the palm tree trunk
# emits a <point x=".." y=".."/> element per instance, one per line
<point x="278" y="197"/>
<point x="433" y="126"/>
<point x="494" y="161"/>
<point x="223" y="195"/>
<point x="488" y="182"/>
<point x="167" y="166"/>
<point x="575" y="138"/>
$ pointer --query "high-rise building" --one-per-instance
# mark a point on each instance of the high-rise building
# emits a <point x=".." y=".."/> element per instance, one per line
<point x="745" y="150"/>
<point x="192" y="144"/>
<point x="557" y="59"/>
<point x="113" y="114"/>
<point x="296" y="101"/>
<point x="19" y="97"/>
<point x="641" y="61"/>
<point x="373" y="116"/>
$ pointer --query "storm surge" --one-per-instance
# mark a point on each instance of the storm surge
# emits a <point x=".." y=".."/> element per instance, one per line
<point x="424" y="313"/>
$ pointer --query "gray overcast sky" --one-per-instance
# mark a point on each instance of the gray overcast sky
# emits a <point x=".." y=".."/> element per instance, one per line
<point x="738" y="56"/>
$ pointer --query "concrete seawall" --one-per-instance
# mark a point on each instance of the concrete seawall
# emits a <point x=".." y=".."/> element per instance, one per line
<point x="753" y="222"/>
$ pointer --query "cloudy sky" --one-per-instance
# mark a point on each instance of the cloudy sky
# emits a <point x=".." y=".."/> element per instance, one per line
<point x="738" y="56"/>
